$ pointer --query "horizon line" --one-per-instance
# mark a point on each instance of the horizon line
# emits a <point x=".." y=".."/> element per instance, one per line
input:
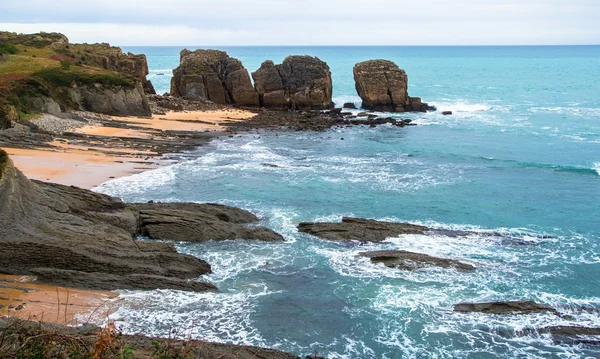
<point x="304" y="45"/>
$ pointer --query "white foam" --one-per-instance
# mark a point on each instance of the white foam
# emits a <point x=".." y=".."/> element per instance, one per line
<point x="597" y="167"/>
<point x="462" y="107"/>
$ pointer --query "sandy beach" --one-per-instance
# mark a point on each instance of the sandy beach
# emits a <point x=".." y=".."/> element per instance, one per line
<point x="24" y="298"/>
<point x="95" y="162"/>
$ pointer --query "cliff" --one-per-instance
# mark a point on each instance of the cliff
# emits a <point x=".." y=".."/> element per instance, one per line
<point x="45" y="73"/>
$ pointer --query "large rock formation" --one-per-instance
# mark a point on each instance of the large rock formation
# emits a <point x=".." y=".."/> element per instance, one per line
<point x="299" y="83"/>
<point x="105" y="99"/>
<point x="383" y="86"/>
<point x="70" y="236"/>
<point x="211" y="75"/>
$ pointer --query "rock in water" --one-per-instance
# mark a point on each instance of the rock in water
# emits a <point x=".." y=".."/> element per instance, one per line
<point x="383" y="86"/>
<point x="299" y="83"/>
<point x="192" y="222"/>
<point x="211" y="75"/>
<point x="514" y="307"/>
<point x="411" y="261"/>
<point x="359" y="229"/>
<point x="350" y="105"/>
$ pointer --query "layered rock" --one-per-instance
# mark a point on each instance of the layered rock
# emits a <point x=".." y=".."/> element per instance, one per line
<point x="383" y="86"/>
<point x="211" y="75"/>
<point x="74" y="237"/>
<point x="410" y="261"/>
<point x="513" y="307"/>
<point x="359" y="229"/>
<point x="299" y="83"/>
<point x="191" y="222"/>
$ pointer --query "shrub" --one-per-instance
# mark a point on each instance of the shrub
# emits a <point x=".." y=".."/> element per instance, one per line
<point x="65" y="65"/>
<point x="58" y="77"/>
<point x="6" y="48"/>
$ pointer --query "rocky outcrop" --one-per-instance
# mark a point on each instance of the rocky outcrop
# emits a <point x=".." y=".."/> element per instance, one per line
<point x="211" y="75"/>
<point x="410" y="261"/>
<point x="191" y="222"/>
<point x="105" y="99"/>
<point x="514" y="307"/>
<point x="299" y="83"/>
<point x="359" y="229"/>
<point x="383" y="86"/>
<point x="74" y="237"/>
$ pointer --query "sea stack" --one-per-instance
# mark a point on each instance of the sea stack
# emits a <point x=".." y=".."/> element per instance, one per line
<point x="299" y="83"/>
<point x="383" y="86"/>
<point x="212" y="75"/>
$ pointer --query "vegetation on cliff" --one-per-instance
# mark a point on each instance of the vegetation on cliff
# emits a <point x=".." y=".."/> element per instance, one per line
<point x="42" y="70"/>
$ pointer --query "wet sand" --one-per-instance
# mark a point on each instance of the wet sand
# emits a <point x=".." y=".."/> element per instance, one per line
<point x="24" y="298"/>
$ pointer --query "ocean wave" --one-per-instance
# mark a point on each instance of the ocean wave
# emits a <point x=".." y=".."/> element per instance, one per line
<point x="547" y="166"/>
<point x="597" y="167"/>
<point x="462" y="107"/>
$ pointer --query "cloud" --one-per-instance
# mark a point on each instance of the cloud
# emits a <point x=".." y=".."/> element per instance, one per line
<point x="310" y="22"/>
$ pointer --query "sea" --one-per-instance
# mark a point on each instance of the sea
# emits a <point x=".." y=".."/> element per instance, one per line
<point x="519" y="157"/>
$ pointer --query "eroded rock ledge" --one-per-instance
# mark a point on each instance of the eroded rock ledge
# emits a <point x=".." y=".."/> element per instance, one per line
<point x="410" y="261"/>
<point x="359" y="229"/>
<point x="74" y="237"/>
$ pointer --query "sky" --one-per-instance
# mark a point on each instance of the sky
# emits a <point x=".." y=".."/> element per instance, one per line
<point x="309" y="22"/>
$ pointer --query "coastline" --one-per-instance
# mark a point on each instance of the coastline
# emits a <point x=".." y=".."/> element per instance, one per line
<point x="97" y="152"/>
<point x="64" y="161"/>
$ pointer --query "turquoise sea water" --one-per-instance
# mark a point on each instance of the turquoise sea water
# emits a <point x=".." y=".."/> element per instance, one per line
<point x="520" y="156"/>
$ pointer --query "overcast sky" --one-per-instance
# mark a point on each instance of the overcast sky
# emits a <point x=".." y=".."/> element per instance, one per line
<point x="309" y="22"/>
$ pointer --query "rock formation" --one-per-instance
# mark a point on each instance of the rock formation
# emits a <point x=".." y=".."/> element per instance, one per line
<point x="359" y="229"/>
<point x="383" y="86"/>
<point x="74" y="237"/>
<point x="514" y="307"/>
<point x="411" y="261"/>
<point x="299" y="83"/>
<point x="211" y="75"/>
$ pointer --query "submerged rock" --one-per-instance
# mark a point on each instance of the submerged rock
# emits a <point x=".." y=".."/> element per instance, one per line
<point x="211" y="75"/>
<point x="512" y="307"/>
<point x="411" y="261"/>
<point x="383" y="86"/>
<point x="299" y="83"/>
<point x="360" y="229"/>
<point x="574" y="335"/>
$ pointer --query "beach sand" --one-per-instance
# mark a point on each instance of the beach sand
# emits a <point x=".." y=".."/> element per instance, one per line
<point x="89" y="166"/>
<point x="24" y="298"/>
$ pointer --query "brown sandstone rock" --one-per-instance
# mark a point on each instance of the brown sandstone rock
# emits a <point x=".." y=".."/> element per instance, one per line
<point x="383" y="86"/>
<point x="211" y="75"/>
<point x="299" y="83"/>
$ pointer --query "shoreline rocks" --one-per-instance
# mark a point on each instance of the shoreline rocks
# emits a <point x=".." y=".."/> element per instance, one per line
<point x="359" y="229"/>
<point x="298" y="83"/>
<point x="383" y="86"/>
<point x="212" y="75"/>
<point x="74" y="237"/>
<point x="511" y="307"/>
<point x="411" y="261"/>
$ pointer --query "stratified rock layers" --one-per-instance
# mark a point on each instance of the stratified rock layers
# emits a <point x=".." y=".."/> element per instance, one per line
<point x="75" y="237"/>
